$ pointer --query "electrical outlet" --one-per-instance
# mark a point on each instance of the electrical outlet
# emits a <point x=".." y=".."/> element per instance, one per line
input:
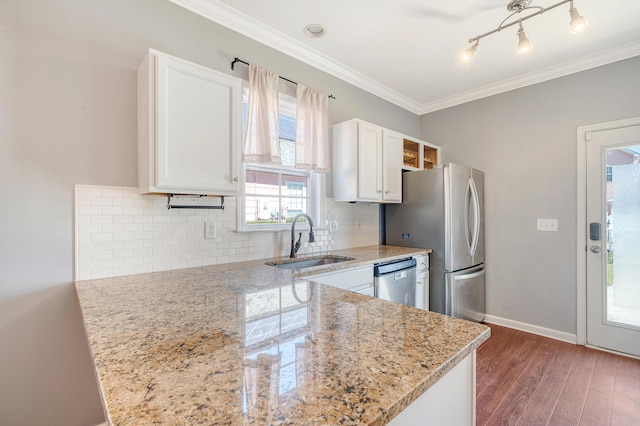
<point x="547" y="225"/>
<point x="210" y="232"/>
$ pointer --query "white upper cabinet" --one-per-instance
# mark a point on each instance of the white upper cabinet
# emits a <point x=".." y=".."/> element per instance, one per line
<point x="392" y="165"/>
<point x="189" y="128"/>
<point x="367" y="163"/>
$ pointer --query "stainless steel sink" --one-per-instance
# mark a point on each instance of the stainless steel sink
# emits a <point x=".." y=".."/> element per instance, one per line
<point x="309" y="262"/>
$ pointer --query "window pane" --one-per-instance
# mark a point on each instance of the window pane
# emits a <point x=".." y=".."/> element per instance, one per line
<point x="288" y="152"/>
<point x="623" y="235"/>
<point x="262" y="183"/>
<point x="295" y="186"/>
<point x="261" y="209"/>
<point x="293" y="206"/>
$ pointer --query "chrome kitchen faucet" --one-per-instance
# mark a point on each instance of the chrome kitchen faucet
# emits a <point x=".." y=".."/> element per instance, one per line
<point x="295" y="245"/>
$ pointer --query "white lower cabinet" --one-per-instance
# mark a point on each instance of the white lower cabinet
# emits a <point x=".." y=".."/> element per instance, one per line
<point x="422" y="282"/>
<point x="451" y="401"/>
<point x="189" y="128"/>
<point x="359" y="280"/>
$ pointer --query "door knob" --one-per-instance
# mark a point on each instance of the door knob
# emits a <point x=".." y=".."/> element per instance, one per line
<point x="595" y="249"/>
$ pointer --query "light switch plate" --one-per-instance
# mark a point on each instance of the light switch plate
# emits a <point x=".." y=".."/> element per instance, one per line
<point x="548" y="225"/>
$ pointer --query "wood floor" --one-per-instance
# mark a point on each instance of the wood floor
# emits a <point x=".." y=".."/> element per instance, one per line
<point x="525" y="379"/>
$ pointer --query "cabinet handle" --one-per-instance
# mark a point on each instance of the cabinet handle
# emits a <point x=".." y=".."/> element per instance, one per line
<point x="386" y="192"/>
<point x="418" y="282"/>
<point x="379" y="191"/>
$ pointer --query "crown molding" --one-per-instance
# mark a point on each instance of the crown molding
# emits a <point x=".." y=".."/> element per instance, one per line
<point x="604" y="57"/>
<point x="233" y="19"/>
<point x="237" y="21"/>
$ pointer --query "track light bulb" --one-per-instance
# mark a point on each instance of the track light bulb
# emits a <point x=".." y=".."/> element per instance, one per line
<point x="468" y="53"/>
<point x="524" y="45"/>
<point x="578" y="23"/>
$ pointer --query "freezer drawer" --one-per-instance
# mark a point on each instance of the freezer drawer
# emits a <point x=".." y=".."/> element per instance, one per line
<point x="465" y="294"/>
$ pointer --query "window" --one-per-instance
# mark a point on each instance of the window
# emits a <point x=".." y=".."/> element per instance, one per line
<point x="274" y="194"/>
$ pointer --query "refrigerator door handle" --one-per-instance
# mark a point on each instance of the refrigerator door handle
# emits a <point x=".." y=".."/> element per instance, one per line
<point x="467" y="232"/>
<point x="469" y="276"/>
<point x="476" y="216"/>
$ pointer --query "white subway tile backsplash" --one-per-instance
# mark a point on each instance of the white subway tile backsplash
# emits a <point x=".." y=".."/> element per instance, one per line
<point x="135" y="244"/>
<point x="124" y="236"/>
<point x="89" y="191"/>
<point x="112" y="245"/>
<point x="101" y="219"/>
<point x="142" y="218"/>
<point x="122" y="202"/>
<point x="126" y="219"/>
<point x="99" y="255"/>
<point x="113" y="193"/>
<point x="112" y="227"/>
<point x="122" y="254"/>
<point x="112" y="210"/>
<point x="119" y="232"/>
<point x="142" y="269"/>
<point x="101" y="201"/>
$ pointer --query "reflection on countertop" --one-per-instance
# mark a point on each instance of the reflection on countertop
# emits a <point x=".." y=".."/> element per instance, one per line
<point x="247" y="343"/>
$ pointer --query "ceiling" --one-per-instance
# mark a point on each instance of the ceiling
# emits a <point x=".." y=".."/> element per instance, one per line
<point x="408" y="51"/>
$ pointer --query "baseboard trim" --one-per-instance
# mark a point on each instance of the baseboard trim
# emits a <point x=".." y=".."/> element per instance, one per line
<point x="535" y="329"/>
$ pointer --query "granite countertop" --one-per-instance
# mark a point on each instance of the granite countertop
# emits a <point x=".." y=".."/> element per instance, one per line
<point x="246" y="343"/>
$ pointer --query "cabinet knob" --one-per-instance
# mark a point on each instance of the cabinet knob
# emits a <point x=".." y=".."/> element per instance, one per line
<point x="379" y="191"/>
<point x="235" y="179"/>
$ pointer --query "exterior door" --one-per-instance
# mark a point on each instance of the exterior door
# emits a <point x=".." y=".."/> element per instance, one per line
<point x="613" y="239"/>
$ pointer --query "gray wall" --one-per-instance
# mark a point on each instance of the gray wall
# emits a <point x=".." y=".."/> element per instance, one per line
<point x="525" y="142"/>
<point x="68" y="116"/>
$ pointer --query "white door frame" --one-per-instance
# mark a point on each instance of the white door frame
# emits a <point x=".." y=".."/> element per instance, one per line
<point x="584" y="136"/>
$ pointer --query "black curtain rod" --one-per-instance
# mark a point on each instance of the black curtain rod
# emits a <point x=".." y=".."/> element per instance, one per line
<point x="233" y="64"/>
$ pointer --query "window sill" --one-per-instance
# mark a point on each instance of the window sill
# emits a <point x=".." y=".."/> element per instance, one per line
<point x="299" y="227"/>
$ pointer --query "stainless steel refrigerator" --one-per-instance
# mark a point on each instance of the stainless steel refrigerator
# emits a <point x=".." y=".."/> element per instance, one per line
<point x="443" y="209"/>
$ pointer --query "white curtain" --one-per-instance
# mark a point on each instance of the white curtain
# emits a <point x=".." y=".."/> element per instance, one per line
<point x="312" y="133"/>
<point x="262" y="141"/>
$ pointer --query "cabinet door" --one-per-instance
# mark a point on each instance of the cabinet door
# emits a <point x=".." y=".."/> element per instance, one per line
<point x="392" y="166"/>
<point x="422" y="291"/>
<point x="198" y="128"/>
<point x="369" y="162"/>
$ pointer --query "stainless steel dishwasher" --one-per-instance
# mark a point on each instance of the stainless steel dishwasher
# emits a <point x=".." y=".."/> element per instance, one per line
<point x="396" y="281"/>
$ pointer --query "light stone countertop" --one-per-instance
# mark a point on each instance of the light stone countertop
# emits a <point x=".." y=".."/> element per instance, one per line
<point x="246" y="343"/>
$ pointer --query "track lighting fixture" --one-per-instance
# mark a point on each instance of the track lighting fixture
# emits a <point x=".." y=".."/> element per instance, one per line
<point x="468" y="53"/>
<point x="524" y="45"/>
<point x="577" y="24"/>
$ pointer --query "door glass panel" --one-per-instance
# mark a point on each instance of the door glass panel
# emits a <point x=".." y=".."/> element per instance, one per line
<point x="623" y="235"/>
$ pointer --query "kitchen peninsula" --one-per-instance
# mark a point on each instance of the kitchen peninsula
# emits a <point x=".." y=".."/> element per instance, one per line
<point x="247" y="343"/>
